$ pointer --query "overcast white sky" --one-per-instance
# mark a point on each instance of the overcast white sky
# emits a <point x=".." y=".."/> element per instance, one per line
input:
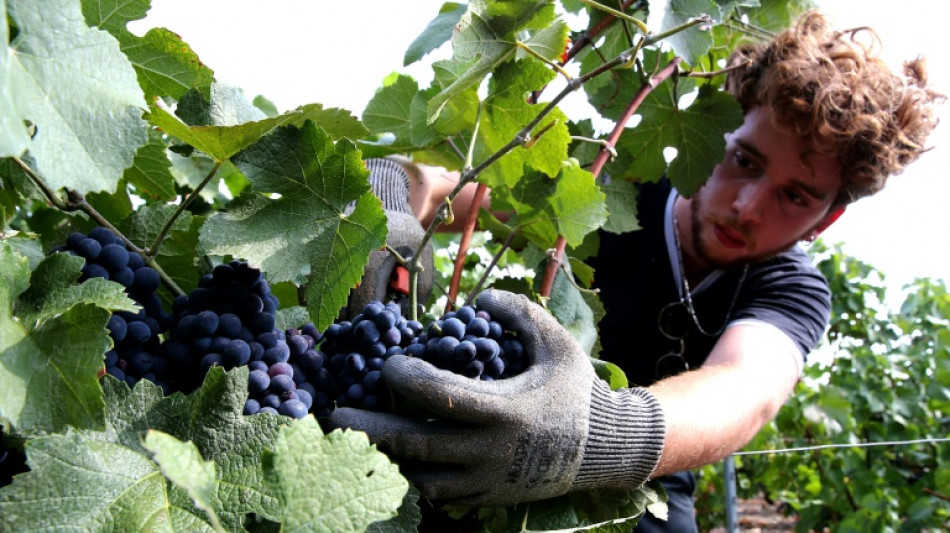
<point x="336" y="53"/>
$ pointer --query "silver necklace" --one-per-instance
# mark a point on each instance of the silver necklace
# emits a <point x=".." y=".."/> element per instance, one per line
<point x="685" y="282"/>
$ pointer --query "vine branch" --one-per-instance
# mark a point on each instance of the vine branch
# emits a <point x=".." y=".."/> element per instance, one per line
<point x="554" y="259"/>
<point x="77" y="202"/>
<point x="153" y="249"/>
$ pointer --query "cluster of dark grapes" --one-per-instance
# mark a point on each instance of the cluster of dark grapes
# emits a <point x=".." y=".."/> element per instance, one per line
<point x="339" y="367"/>
<point x="468" y="342"/>
<point x="135" y="336"/>
<point x="227" y="320"/>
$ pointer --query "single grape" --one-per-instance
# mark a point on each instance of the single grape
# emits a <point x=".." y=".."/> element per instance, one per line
<point x="293" y="409"/>
<point x="114" y="257"/>
<point x="251" y="407"/>
<point x="257" y="381"/>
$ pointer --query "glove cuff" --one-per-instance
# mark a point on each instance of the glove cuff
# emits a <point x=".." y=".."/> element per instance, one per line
<point x="625" y="439"/>
<point x="390" y="183"/>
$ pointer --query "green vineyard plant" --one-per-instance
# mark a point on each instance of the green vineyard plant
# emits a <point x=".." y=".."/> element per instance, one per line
<point x="103" y="128"/>
<point x="884" y="378"/>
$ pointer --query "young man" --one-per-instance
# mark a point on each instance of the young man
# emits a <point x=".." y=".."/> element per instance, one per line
<point x="713" y="322"/>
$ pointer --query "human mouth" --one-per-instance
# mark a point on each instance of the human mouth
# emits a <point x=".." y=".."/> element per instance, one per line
<point x="729" y="238"/>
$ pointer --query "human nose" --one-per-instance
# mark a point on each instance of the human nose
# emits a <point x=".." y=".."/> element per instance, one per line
<point x="749" y="203"/>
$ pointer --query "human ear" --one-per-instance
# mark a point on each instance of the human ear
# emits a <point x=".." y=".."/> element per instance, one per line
<point x="829" y="219"/>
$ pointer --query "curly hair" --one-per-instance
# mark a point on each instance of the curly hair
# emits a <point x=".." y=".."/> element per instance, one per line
<point x="832" y="88"/>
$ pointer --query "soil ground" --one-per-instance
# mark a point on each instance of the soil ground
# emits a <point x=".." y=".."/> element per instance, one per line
<point x="759" y="516"/>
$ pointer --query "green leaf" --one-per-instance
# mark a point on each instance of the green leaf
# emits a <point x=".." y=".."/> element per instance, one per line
<point x="165" y="65"/>
<point x="697" y="133"/>
<point x="310" y="228"/>
<point x="48" y="368"/>
<point x="436" y="33"/>
<point x="79" y="483"/>
<point x="143" y="225"/>
<point x="334" y="482"/>
<point x="54" y="290"/>
<point x="570" y="205"/>
<point x="693" y="42"/>
<point x="507" y="113"/>
<point x="14" y="138"/>
<point x="389" y="110"/>
<point x="621" y="206"/>
<point x="80" y="91"/>
<point x="179" y="256"/>
<point x="292" y="317"/>
<point x="223" y="141"/>
<point x="112" y="206"/>
<point x="407" y="519"/>
<point x="150" y="172"/>
<point x="567" y="304"/>
<point x="212" y="419"/>
<point x="485" y="38"/>
<point x="183" y="465"/>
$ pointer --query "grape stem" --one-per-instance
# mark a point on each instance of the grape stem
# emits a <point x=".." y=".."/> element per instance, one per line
<point x="469" y="173"/>
<point x="153" y="249"/>
<point x="554" y="260"/>
<point x="77" y="202"/>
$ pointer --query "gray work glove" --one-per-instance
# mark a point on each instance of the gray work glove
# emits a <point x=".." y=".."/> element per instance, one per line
<point x="390" y="183"/>
<point x="552" y="429"/>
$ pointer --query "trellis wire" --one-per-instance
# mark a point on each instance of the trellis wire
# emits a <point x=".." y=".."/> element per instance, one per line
<point x="732" y="523"/>
<point x="851" y="445"/>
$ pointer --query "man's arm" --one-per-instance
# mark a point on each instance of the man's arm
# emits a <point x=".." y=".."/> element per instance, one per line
<point x="717" y="409"/>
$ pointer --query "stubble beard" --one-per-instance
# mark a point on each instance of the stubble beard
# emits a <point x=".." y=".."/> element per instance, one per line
<point x="701" y="250"/>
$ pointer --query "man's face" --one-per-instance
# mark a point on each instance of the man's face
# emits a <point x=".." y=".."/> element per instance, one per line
<point x="771" y="190"/>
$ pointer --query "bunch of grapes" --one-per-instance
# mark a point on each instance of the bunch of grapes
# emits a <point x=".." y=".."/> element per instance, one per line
<point x="224" y="322"/>
<point x="340" y="367"/>
<point x="277" y="380"/>
<point x="135" y="336"/>
<point x="468" y="342"/>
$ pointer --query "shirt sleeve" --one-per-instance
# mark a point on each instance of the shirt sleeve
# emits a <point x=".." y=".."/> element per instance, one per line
<point x="789" y="293"/>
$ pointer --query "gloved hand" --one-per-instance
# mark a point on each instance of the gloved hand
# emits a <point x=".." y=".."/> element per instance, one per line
<point x="552" y="429"/>
<point x="390" y="183"/>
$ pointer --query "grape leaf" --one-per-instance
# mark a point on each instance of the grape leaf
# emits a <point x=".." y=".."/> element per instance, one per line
<point x="48" y="365"/>
<point x="486" y="36"/>
<point x="292" y="317"/>
<point x="112" y="206"/>
<point x="436" y="33"/>
<point x="14" y="138"/>
<point x="212" y="419"/>
<point x="54" y="290"/>
<point x="164" y="65"/>
<point x="93" y="486"/>
<point x="310" y="228"/>
<point x="79" y="90"/>
<point x="223" y="141"/>
<point x="334" y="482"/>
<point x="696" y="132"/>
<point x="144" y="225"/>
<point x="622" y="206"/>
<point x="407" y="519"/>
<point x="570" y="205"/>
<point x="507" y="112"/>
<point x="183" y="465"/>
<point x="150" y="171"/>
<point x="388" y="110"/>
<point x="692" y="43"/>
<point x="567" y="304"/>
<point x="179" y="257"/>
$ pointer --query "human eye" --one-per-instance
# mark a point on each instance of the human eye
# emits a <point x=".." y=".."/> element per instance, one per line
<point x="795" y="197"/>
<point x="743" y="161"/>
